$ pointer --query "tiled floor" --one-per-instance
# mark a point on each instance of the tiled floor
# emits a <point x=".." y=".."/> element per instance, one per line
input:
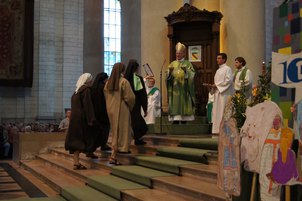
<point x="16" y="183"/>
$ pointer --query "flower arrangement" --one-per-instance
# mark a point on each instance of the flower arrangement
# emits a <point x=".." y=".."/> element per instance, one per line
<point x="239" y="102"/>
<point x="260" y="93"/>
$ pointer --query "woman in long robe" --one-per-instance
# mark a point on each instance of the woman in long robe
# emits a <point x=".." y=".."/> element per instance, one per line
<point x="137" y="83"/>
<point x="78" y="139"/>
<point x="102" y="129"/>
<point x="119" y="102"/>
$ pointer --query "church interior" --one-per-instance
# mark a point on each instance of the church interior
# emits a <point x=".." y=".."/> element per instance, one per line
<point x="45" y="45"/>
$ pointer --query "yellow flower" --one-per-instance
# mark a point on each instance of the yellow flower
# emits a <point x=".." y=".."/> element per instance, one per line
<point x="254" y="91"/>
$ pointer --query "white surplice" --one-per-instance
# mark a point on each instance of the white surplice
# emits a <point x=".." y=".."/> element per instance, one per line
<point x="153" y="106"/>
<point x="223" y="80"/>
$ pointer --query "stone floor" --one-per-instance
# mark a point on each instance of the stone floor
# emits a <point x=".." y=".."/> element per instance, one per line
<point x="16" y="182"/>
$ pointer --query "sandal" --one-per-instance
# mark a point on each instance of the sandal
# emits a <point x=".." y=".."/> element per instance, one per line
<point x="79" y="167"/>
<point x="113" y="161"/>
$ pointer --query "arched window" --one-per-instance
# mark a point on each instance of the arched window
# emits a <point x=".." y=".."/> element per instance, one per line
<point x="112" y="34"/>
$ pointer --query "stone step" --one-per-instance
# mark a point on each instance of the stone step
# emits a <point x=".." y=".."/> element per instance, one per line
<point x="173" y="140"/>
<point x="163" y="140"/>
<point x="212" y="159"/>
<point x="84" y="193"/>
<point x="200" y="171"/>
<point x="126" y="190"/>
<point x="180" y="161"/>
<point x="176" y="185"/>
<point x="57" y="198"/>
<point x="112" y="185"/>
<point x="198" y="120"/>
<point x="53" y="177"/>
<point x="147" y="149"/>
<point x="180" y="129"/>
<point x="138" y="174"/>
<point x="66" y="166"/>
<point x="152" y="195"/>
<point x="101" y="162"/>
<point x="192" y="188"/>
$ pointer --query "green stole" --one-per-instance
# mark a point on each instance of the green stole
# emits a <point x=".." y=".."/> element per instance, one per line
<point x="137" y="83"/>
<point x="241" y="77"/>
<point x="152" y="91"/>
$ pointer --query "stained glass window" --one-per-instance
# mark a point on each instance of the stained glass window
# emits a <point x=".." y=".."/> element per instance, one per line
<point x="112" y="34"/>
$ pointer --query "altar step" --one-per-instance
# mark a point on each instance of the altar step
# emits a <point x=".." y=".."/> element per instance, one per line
<point x="162" y="125"/>
<point x="141" y="177"/>
<point x="56" y="198"/>
<point x="197" y="120"/>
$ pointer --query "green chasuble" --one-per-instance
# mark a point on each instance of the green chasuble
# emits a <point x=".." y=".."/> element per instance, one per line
<point x="180" y="87"/>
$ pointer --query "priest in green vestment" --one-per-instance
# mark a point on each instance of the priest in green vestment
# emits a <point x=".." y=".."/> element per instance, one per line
<point x="180" y="87"/>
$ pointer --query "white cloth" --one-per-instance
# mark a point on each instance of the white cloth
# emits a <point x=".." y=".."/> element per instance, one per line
<point x="83" y="79"/>
<point x="153" y="106"/>
<point x="223" y="80"/>
<point x="259" y="120"/>
<point x="181" y="118"/>
<point x="211" y="98"/>
<point x="248" y="81"/>
<point x="64" y="124"/>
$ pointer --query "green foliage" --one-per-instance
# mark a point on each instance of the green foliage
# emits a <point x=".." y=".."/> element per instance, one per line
<point x="262" y="91"/>
<point x="239" y="106"/>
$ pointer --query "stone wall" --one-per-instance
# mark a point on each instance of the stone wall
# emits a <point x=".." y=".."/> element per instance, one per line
<point x="58" y="62"/>
<point x="29" y="144"/>
<point x="58" y="47"/>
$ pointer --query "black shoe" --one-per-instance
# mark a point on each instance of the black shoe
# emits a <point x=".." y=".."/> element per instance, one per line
<point x="139" y="142"/>
<point x="105" y="148"/>
<point x="91" y="155"/>
<point x="79" y="167"/>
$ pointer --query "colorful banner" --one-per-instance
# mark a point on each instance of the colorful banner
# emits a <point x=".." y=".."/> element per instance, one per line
<point x="287" y="70"/>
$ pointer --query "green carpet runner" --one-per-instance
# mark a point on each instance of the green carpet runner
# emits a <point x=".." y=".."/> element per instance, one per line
<point x="183" y="153"/>
<point x="113" y="185"/>
<point x="138" y="174"/>
<point x="84" y="193"/>
<point x="170" y="165"/>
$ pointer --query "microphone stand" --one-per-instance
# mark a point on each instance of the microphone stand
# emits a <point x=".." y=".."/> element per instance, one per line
<point x="161" y="97"/>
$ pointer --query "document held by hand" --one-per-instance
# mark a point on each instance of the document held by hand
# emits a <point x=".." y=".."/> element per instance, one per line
<point x="148" y="70"/>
